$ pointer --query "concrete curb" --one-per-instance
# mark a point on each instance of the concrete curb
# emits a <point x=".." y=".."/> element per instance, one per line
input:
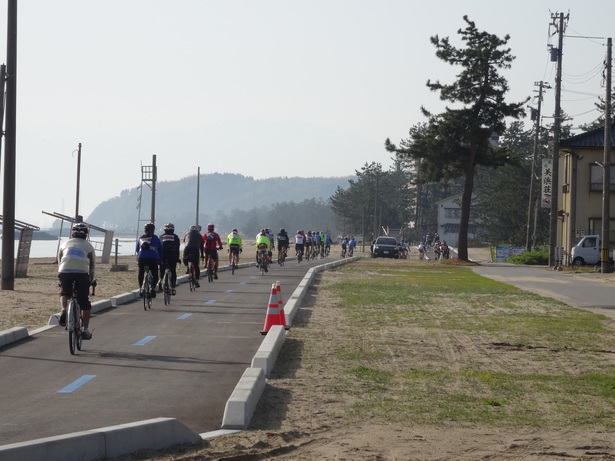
<point x="103" y="443"/>
<point x="13" y="334"/>
<point x="240" y="406"/>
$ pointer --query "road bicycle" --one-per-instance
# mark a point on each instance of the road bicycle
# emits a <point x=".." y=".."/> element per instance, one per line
<point x="146" y="288"/>
<point x="262" y="259"/>
<point x="327" y="250"/>
<point x="282" y="256"/>
<point x="299" y="255"/>
<point x="235" y="261"/>
<point x="350" y="251"/>
<point x="211" y="268"/>
<point x="166" y="286"/>
<point x="343" y="253"/>
<point x="192" y="276"/>
<point x="73" y="322"/>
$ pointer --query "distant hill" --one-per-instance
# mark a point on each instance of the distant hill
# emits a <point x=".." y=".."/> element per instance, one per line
<point x="219" y="195"/>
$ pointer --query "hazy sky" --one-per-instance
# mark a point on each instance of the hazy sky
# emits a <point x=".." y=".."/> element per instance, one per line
<point x="256" y="87"/>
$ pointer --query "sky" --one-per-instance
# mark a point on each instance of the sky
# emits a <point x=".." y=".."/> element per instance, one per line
<point x="262" y="88"/>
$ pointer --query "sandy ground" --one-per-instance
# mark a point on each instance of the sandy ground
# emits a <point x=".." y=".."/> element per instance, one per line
<point x="299" y="419"/>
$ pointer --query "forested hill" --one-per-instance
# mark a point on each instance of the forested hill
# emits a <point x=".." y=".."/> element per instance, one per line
<point x="221" y="196"/>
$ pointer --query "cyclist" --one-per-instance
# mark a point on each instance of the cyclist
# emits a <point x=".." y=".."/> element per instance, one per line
<point x="352" y="243"/>
<point x="149" y="251"/>
<point x="170" y="253"/>
<point x="308" y="244"/>
<point x="77" y="261"/>
<point x="271" y="239"/>
<point x="212" y="243"/>
<point x="148" y="257"/>
<point x="235" y="245"/>
<point x="193" y="251"/>
<point x="263" y="238"/>
<point x="344" y="244"/>
<point x="328" y="243"/>
<point x="151" y="238"/>
<point x="283" y="241"/>
<point x="299" y="242"/>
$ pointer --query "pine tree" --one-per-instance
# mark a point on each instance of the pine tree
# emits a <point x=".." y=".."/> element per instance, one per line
<point x="458" y="140"/>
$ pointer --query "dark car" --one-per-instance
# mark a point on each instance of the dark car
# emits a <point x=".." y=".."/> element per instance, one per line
<point x="385" y="247"/>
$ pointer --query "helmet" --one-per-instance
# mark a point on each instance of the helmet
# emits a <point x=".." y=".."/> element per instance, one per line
<point x="79" y="230"/>
<point x="267" y="230"/>
<point x="194" y="228"/>
<point x="149" y="228"/>
<point x="263" y="232"/>
<point x="282" y="231"/>
<point x="210" y="227"/>
<point x="169" y="227"/>
<point x="234" y="230"/>
<point x="298" y="232"/>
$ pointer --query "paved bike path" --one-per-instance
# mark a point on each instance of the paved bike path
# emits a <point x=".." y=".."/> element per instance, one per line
<point x="179" y="361"/>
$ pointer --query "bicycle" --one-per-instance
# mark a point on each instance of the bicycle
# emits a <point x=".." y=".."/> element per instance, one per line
<point x="281" y="256"/>
<point x="234" y="259"/>
<point x="299" y="256"/>
<point x="262" y="259"/>
<point x="211" y="268"/>
<point x="192" y="276"/>
<point x="73" y="322"/>
<point x="146" y="288"/>
<point x="350" y="251"/>
<point x="166" y="286"/>
<point x="343" y="254"/>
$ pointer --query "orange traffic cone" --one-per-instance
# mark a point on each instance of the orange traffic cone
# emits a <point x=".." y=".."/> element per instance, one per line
<point x="281" y="306"/>
<point x="273" y="311"/>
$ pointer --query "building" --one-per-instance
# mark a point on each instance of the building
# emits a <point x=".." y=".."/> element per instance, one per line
<point x="581" y="173"/>
<point x="449" y="217"/>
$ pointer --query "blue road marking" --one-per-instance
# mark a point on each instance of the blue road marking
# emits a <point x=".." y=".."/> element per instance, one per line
<point x="228" y="291"/>
<point x="76" y="384"/>
<point x="211" y="301"/>
<point x="182" y="317"/>
<point x="144" y="341"/>
<point x="242" y="283"/>
<point x="253" y="277"/>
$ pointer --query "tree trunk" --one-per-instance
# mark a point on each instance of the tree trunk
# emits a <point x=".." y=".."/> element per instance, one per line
<point x="466" y="203"/>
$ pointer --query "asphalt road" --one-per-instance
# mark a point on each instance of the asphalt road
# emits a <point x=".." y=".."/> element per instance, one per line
<point x="180" y="361"/>
<point x="588" y="291"/>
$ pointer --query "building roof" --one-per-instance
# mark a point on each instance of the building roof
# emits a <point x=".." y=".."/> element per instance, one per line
<point x="593" y="139"/>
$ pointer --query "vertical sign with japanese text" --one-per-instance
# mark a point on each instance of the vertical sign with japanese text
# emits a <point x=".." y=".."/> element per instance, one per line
<point x="547" y="182"/>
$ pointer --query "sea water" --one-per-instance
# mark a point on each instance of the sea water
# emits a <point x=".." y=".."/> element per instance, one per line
<point x="49" y="248"/>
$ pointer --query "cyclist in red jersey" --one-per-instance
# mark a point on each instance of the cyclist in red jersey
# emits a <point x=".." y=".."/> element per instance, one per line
<point x="212" y="243"/>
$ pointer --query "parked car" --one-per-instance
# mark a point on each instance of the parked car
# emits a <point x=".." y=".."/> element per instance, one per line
<point x="385" y="247"/>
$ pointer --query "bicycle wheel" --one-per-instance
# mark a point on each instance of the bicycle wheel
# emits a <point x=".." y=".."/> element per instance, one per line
<point x="147" y="292"/>
<point x="166" y="287"/>
<point x="233" y="266"/>
<point x="71" y="325"/>
<point x="191" y="277"/>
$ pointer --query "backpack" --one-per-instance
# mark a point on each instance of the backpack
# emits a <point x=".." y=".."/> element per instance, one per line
<point x="210" y="237"/>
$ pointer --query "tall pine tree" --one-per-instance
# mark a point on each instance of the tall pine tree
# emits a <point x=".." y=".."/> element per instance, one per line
<point x="458" y="140"/>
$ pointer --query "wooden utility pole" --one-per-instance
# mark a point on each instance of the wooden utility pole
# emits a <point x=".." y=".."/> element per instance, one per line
<point x="558" y="22"/>
<point x="529" y="241"/>
<point x="606" y="170"/>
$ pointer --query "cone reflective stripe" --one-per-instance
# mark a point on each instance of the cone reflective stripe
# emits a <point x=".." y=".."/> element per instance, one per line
<point x="281" y="305"/>
<point x="273" y="311"/>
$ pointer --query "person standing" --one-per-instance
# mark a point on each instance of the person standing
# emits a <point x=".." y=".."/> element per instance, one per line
<point x="77" y="262"/>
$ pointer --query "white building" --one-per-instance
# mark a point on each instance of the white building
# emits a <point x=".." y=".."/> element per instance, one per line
<point x="449" y="217"/>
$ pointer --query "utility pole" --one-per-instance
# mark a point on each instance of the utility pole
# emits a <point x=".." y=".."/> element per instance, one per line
<point x="77" y="218"/>
<point x="536" y="117"/>
<point x="8" y="214"/>
<point x="154" y="179"/>
<point x="198" y="187"/>
<point x="558" y="23"/>
<point x="606" y="170"/>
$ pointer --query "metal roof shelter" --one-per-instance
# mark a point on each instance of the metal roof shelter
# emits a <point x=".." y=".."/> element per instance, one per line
<point x="107" y="243"/>
<point x="23" y="250"/>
